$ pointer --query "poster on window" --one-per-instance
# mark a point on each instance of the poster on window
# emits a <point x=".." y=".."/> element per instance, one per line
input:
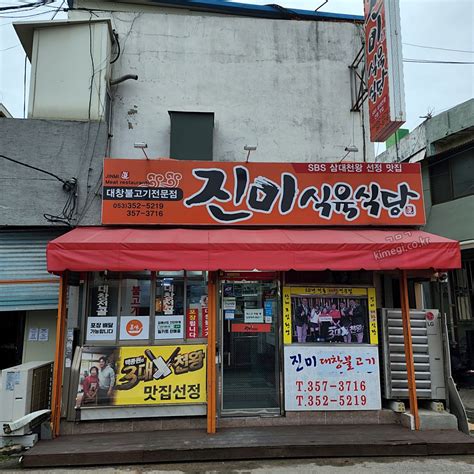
<point x="134" y="328"/>
<point x="101" y="328"/>
<point x="192" y="323"/>
<point x="169" y="327"/>
<point x="149" y="375"/>
<point x="328" y="314"/>
<point x="331" y="378"/>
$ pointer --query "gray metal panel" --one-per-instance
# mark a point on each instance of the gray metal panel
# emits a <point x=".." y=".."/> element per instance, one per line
<point x="191" y="135"/>
<point x="128" y="412"/>
<point x="23" y="257"/>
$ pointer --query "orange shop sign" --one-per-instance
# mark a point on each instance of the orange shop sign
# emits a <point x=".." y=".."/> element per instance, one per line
<point x="176" y="192"/>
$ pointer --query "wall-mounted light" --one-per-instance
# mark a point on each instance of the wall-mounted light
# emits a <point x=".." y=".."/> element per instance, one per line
<point x="351" y="149"/>
<point x="249" y="149"/>
<point x="142" y="146"/>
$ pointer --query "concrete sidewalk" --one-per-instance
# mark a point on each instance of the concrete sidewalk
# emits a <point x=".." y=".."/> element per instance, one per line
<point x="245" y="443"/>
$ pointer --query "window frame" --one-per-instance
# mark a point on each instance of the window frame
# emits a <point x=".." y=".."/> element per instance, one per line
<point x="151" y="341"/>
<point x="450" y="158"/>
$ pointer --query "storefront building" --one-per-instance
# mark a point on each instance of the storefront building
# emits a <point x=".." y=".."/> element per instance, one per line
<point x="233" y="290"/>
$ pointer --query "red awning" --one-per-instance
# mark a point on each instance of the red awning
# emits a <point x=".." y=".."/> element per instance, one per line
<point x="119" y="249"/>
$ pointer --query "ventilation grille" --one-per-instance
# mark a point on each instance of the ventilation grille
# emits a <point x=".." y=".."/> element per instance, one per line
<point x="41" y="388"/>
<point x="395" y="372"/>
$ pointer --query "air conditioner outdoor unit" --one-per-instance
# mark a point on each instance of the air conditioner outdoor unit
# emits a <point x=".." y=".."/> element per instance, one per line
<point x="24" y="389"/>
<point x="427" y="341"/>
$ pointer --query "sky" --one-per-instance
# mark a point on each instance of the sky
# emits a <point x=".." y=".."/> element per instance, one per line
<point x="431" y="30"/>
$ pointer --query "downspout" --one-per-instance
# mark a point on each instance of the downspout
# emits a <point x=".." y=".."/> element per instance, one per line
<point x="56" y="394"/>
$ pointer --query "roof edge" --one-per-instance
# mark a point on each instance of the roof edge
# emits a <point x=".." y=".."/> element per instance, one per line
<point x="25" y="29"/>
<point x="271" y="11"/>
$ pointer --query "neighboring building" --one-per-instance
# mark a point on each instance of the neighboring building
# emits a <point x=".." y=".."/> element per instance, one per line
<point x="444" y="145"/>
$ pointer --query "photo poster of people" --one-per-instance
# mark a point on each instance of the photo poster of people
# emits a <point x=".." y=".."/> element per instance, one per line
<point x="97" y="376"/>
<point x="326" y="318"/>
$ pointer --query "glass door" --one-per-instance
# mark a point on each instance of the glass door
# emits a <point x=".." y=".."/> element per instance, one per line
<point x="249" y="313"/>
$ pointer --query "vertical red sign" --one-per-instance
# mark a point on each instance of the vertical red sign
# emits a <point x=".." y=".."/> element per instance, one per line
<point x="205" y="322"/>
<point x="192" y="323"/>
<point x="384" y="68"/>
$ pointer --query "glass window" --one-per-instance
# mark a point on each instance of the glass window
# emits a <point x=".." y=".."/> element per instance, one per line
<point x="171" y="273"/>
<point x="440" y="182"/>
<point x="462" y="170"/>
<point x="104" y="294"/>
<point x="101" y="325"/>
<point x="169" y="308"/>
<point x="134" y="308"/>
<point x="135" y="297"/>
<point x="452" y="176"/>
<point x="135" y="294"/>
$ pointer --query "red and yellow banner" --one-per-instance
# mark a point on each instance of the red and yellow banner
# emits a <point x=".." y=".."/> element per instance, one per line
<point x="192" y="325"/>
<point x="148" y="375"/>
<point x="297" y="194"/>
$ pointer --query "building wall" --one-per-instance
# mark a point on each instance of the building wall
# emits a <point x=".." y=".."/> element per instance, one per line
<point x="65" y="148"/>
<point x="40" y="350"/>
<point x="279" y="84"/>
<point x="452" y="219"/>
<point x="61" y="69"/>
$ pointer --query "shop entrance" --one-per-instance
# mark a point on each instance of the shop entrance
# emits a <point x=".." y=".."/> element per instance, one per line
<point x="250" y="375"/>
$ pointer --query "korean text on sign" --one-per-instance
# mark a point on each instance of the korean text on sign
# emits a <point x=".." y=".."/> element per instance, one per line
<point x="331" y="378"/>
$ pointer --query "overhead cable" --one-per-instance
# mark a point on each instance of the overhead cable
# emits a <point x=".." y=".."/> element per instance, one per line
<point x="25" y="5"/>
<point x="441" y="49"/>
<point x="33" y="168"/>
<point x="434" y="61"/>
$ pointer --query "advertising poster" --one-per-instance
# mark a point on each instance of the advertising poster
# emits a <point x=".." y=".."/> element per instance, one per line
<point x="228" y="303"/>
<point x="134" y="328"/>
<point x="174" y="192"/>
<point x="149" y="375"/>
<point x="192" y="328"/>
<point x="325" y="314"/>
<point x="33" y="334"/>
<point x="169" y="327"/>
<point x="205" y="321"/>
<point x="253" y="315"/>
<point x="101" y="328"/>
<point x="332" y="378"/>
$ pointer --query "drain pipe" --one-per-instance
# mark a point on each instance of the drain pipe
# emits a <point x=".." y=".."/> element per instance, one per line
<point x="114" y="82"/>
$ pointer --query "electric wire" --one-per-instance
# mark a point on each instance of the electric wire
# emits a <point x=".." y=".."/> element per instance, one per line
<point x="58" y="10"/>
<point x="118" y="48"/>
<point x="441" y="49"/>
<point x="26" y="165"/>
<point x="67" y="212"/>
<point x="25" y="6"/>
<point x="93" y="66"/>
<point x="7" y="49"/>
<point x="25" y="16"/>
<point x="69" y="186"/>
<point x="433" y="61"/>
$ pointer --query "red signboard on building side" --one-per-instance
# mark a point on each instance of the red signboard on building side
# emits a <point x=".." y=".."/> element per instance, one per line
<point x="384" y="67"/>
